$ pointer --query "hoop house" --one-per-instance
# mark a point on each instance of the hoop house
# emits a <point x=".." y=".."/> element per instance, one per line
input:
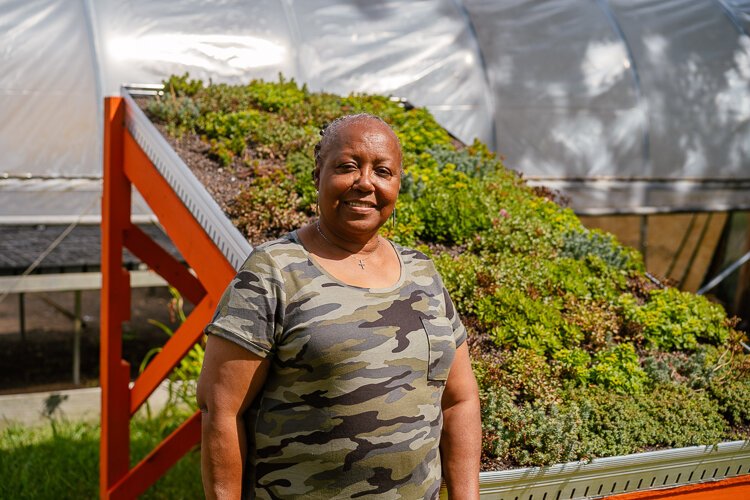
<point x="624" y="106"/>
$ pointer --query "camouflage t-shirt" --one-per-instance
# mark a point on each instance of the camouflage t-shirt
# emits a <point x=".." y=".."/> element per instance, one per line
<point x="351" y="407"/>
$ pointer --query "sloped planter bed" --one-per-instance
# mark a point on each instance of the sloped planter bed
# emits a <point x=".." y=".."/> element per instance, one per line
<point x="581" y="479"/>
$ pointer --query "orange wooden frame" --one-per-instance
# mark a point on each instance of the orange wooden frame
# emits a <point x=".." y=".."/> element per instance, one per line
<point x="125" y="166"/>
<point x="734" y="488"/>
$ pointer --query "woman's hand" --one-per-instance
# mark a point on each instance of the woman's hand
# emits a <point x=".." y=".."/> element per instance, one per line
<point x="230" y="379"/>
<point x="461" y="440"/>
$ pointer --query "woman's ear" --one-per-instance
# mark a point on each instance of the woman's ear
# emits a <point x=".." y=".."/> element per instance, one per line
<point x="316" y="176"/>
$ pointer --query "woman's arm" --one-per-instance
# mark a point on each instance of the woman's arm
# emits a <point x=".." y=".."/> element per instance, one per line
<point x="461" y="440"/>
<point x="229" y="381"/>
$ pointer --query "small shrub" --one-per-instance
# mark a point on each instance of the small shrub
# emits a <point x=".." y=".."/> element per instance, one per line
<point x="268" y="206"/>
<point x="227" y="132"/>
<point x="682" y="417"/>
<point x="695" y="369"/>
<point x="733" y="398"/>
<point x="530" y="434"/>
<point x="574" y="364"/>
<point x="670" y="416"/>
<point x="528" y="377"/>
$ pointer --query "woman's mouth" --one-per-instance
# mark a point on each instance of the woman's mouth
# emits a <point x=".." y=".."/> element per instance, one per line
<point x="363" y="204"/>
<point x="360" y="205"/>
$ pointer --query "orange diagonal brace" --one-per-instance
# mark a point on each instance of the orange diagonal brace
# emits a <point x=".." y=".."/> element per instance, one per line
<point x="159" y="460"/>
<point x="163" y="264"/>
<point x="171" y="354"/>
<point x="189" y="237"/>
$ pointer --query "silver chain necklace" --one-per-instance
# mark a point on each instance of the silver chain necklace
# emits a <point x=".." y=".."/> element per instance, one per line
<point x="361" y="260"/>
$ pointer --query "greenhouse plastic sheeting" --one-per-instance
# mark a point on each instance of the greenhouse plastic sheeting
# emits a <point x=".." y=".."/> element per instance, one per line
<point x="48" y="97"/>
<point x="608" y="100"/>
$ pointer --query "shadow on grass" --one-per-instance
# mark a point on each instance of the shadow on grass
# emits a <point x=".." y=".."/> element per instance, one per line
<point x="60" y="460"/>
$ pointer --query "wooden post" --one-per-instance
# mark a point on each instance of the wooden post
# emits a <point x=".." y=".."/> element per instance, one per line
<point x="115" y="305"/>
<point x="77" y="329"/>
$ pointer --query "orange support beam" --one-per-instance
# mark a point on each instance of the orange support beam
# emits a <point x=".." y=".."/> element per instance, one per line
<point x="173" y="351"/>
<point x="158" y="461"/>
<point x="735" y="488"/>
<point x="127" y="166"/>
<point x="161" y="262"/>
<point x="196" y="247"/>
<point x="114" y="447"/>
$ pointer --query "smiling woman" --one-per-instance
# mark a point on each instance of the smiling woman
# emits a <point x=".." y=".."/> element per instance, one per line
<point x="358" y="177"/>
<point x="338" y="353"/>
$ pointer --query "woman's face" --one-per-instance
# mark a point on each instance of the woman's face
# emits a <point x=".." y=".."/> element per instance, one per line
<point x="358" y="177"/>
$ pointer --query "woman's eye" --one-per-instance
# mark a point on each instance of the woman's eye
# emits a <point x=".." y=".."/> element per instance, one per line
<point x="384" y="172"/>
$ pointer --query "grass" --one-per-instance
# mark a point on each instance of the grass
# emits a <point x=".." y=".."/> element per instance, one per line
<point x="60" y="460"/>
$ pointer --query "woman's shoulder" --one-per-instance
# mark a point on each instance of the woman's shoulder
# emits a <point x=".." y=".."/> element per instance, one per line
<point x="414" y="259"/>
<point x="276" y="253"/>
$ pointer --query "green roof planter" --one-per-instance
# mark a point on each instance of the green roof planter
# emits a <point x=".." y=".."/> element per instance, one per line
<point x="579" y="353"/>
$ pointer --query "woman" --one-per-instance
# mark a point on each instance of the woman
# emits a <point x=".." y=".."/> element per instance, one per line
<point x="336" y="365"/>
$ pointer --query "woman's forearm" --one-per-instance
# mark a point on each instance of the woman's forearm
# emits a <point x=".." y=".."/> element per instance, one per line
<point x="460" y="449"/>
<point x="222" y="455"/>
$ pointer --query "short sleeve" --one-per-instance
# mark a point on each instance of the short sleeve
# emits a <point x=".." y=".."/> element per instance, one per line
<point x="459" y="331"/>
<point x="250" y="313"/>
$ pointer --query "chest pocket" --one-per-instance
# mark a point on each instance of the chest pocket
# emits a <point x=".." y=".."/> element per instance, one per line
<point x="442" y="347"/>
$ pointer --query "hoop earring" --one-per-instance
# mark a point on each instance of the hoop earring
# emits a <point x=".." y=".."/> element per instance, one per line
<point x="317" y="203"/>
<point x="393" y="218"/>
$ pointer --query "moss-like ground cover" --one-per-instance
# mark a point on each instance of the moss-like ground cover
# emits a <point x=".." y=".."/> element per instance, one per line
<point x="577" y="352"/>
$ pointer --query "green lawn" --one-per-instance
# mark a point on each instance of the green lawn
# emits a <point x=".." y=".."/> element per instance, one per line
<point x="60" y="460"/>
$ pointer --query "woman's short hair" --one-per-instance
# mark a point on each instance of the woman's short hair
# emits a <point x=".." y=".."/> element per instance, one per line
<point x="330" y="131"/>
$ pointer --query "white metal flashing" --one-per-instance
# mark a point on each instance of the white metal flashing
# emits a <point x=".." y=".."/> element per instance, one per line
<point x="188" y="188"/>
<point x="614" y="475"/>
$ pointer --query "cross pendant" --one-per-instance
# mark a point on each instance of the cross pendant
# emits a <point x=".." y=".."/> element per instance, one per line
<point x="361" y="264"/>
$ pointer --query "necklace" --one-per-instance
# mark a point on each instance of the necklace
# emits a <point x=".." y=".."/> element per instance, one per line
<point x="361" y="260"/>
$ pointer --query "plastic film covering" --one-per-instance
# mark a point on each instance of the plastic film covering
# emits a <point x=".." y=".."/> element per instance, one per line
<point x="232" y="41"/>
<point x="48" y="94"/>
<point x="422" y="51"/>
<point x="739" y="11"/>
<point x="689" y="86"/>
<point x="59" y="201"/>
<point x="565" y="98"/>
<point x="613" y="101"/>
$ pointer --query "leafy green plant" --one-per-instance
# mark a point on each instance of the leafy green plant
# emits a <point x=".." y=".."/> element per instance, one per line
<point x="587" y="242"/>
<point x="618" y="368"/>
<point x="181" y="383"/>
<point x="574" y="364"/>
<point x="672" y="319"/>
<point x="514" y="319"/>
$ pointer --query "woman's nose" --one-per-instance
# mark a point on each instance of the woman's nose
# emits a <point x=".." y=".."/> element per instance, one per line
<point x="364" y="180"/>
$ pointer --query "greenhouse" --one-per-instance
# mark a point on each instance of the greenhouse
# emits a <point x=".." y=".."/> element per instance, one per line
<point x="604" y="108"/>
